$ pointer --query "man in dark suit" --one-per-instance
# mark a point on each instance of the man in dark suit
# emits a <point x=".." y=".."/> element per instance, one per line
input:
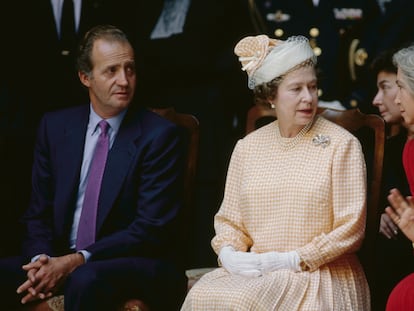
<point x="40" y="76"/>
<point x="397" y="20"/>
<point x="132" y="251"/>
<point x="52" y="81"/>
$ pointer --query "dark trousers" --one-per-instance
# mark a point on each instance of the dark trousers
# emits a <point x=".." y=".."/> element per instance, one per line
<point x="104" y="284"/>
<point x="12" y="276"/>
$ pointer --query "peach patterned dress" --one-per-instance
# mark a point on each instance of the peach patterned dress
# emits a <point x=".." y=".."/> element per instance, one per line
<point x="306" y="193"/>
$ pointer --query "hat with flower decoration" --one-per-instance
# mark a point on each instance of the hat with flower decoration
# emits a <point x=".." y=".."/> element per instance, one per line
<point x="264" y="58"/>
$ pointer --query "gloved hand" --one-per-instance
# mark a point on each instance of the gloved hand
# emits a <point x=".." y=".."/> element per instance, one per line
<point x="241" y="263"/>
<point x="272" y="261"/>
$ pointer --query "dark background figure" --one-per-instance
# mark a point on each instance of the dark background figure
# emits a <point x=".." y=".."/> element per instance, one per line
<point x="193" y="69"/>
<point x="51" y="82"/>
<point x="137" y="18"/>
<point x="397" y="20"/>
<point x="393" y="29"/>
<point x="347" y="35"/>
<point x="342" y="33"/>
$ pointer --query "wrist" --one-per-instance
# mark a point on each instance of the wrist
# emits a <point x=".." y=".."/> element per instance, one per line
<point x="225" y="251"/>
<point x="80" y="258"/>
<point x="75" y="260"/>
<point x="294" y="261"/>
<point x="302" y="265"/>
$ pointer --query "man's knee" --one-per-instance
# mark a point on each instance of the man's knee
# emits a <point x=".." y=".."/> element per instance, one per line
<point x="81" y="279"/>
<point x="85" y="290"/>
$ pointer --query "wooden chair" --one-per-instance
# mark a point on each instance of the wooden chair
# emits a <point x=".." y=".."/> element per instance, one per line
<point x="257" y="116"/>
<point x="191" y="124"/>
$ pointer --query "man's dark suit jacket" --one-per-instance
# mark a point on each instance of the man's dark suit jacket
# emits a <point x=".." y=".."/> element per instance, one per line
<point x="37" y="79"/>
<point x="140" y="196"/>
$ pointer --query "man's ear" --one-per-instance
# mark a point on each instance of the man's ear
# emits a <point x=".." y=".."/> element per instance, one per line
<point x="84" y="78"/>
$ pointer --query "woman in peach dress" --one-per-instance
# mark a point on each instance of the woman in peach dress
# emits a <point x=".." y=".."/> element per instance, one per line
<point x="293" y="213"/>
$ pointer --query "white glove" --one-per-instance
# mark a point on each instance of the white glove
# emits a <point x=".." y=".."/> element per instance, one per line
<point x="241" y="263"/>
<point x="272" y="261"/>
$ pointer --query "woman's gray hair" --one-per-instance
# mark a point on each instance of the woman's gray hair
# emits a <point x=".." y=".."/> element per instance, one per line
<point x="404" y="60"/>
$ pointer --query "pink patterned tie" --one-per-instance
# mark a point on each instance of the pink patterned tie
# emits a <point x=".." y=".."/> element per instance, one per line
<point x="87" y="221"/>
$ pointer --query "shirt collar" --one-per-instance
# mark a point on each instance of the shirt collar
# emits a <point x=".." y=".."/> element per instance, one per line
<point x="114" y="122"/>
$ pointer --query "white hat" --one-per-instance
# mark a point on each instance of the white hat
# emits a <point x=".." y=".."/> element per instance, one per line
<point x="265" y="59"/>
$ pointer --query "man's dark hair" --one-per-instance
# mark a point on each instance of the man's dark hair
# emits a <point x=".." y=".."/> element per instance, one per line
<point x="106" y="32"/>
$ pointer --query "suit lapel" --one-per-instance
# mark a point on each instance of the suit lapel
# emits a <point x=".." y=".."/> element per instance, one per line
<point x="120" y="158"/>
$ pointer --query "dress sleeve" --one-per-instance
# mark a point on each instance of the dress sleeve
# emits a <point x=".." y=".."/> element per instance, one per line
<point x="348" y="208"/>
<point x="228" y="223"/>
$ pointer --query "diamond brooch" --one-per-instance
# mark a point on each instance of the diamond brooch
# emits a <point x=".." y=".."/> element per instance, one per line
<point x="321" y="140"/>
